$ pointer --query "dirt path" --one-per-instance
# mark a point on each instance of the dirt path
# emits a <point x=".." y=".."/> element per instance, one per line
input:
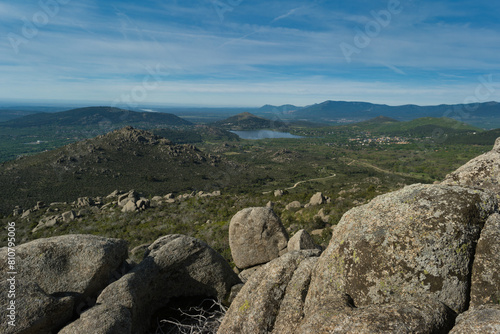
<point x="359" y="163"/>
<point x="311" y="180"/>
<point x="369" y="165"/>
<point x="304" y="181"/>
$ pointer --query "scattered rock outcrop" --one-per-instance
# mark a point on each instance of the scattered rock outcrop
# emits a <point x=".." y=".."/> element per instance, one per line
<point x="48" y="221"/>
<point x="321" y="215"/>
<point x="129" y="207"/>
<point x="84" y="201"/>
<point x="293" y="205"/>
<point x="300" y="241"/>
<point x="318" y="199"/>
<point x="256" y="236"/>
<point x="127" y="202"/>
<point x="26" y="214"/>
<point x="131" y="196"/>
<point x="68" y="216"/>
<point x="114" y="194"/>
<point x="133" y="201"/>
<point x="279" y="193"/>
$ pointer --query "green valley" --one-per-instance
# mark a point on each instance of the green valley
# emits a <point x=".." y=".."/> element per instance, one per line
<point x="350" y="164"/>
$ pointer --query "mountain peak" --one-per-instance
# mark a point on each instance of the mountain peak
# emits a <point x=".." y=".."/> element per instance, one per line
<point x="99" y="109"/>
<point x="248" y="121"/>
<point x="286" y="108"/>
<point x="130" y="134"/>
<point x="245" y="115"/>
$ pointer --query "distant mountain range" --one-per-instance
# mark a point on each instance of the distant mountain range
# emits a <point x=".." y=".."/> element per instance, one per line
<point x="420" y="127"/>
<point x="485" y="115"/>
<point x="285" y="109"/>
<point x="92" y="116"/>
<point x="482" y="114"/>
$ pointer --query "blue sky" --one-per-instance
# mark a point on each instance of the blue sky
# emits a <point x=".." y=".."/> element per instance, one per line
<point x="249" y="53"/>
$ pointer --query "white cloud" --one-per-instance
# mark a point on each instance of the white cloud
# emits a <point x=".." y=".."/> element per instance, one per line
<point x="87" y="52"/>
<point x="247" y="92"/>
<point x="284" y="16"/>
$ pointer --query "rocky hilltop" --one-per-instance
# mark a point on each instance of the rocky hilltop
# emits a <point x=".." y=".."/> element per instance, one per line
<point x="123" y="159"/>
<point x="248" y="121"/>
<point x="422" y="259"/>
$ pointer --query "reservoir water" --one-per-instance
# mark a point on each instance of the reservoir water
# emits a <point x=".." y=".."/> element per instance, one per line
<point x="263" y="134"/>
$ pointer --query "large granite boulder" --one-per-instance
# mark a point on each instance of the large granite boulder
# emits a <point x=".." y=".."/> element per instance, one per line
<point x="484" y="319"/>
<point x="174" y="266"/>
<point x="318" y="199"/>
<point x="482" y="172"/>
<point x="341" y="317"/>
<point x="418" y="241"/>
<point x="281" y="283"/>
<point x="256" y="236"/>
<point x="102" y="319"/>
<point x="73" y="264"/>
<point x="486" y="269"/>
<point x="33" y="311"/>
<point x="55" y="275"/>
<point x="291" y="309"/>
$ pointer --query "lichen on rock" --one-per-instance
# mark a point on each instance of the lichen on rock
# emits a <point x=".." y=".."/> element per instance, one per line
<point x="418" y="241"/>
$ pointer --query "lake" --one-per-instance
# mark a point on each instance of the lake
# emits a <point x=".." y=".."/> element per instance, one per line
<point x="263" y="134"/>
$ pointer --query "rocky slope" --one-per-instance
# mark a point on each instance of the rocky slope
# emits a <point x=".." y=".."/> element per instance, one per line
<point x="123" y="159"/>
